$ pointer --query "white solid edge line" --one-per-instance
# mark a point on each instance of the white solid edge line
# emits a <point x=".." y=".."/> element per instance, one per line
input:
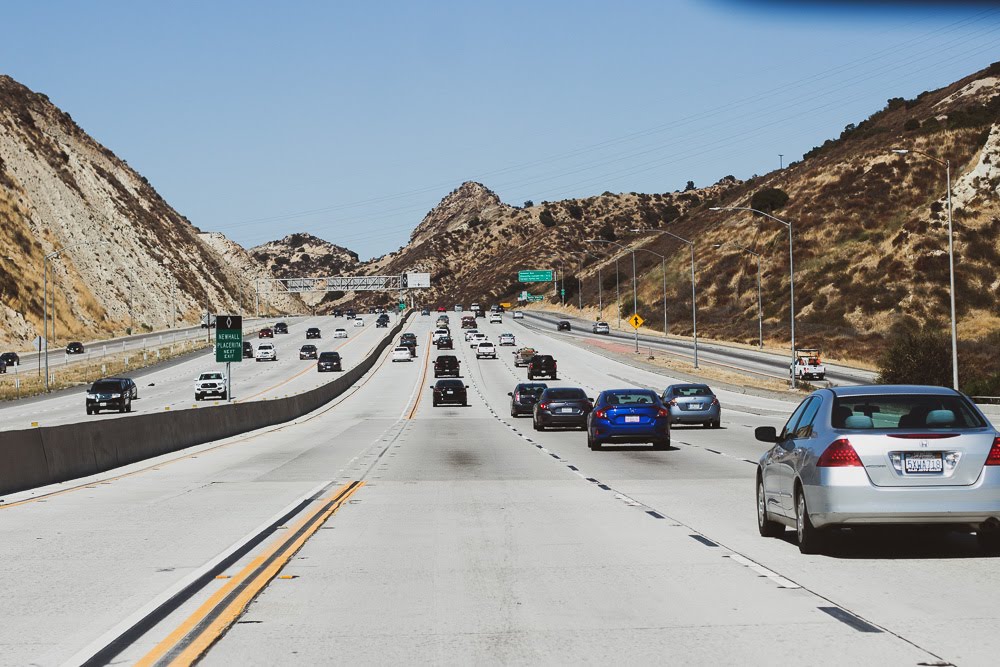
<point x="86" y="653"/>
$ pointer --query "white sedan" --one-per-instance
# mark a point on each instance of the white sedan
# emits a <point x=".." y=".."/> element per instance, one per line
<point x="469" y="333"/>
<point x="517" y="315"/>
<point x="340" y="333"/>
<point x="401" y="354"/>
<point x="358" y="322"/>
<point x="478" y="338"/>
<point x="507" y="339"/>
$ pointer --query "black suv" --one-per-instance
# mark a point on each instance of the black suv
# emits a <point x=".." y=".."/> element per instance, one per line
<point x="524" y="397"/>
<point x="76" y="347"/>
<point x="447" y="365"/>
<point x="247" y="350"/>
<point x="450" y="391"/>
<point x="280" y="328"/>
<point x="564" y="326"/>
<point x="109" y="394"/>
<point x="338" y="313"/>
<point x="382" y="322"/>
<point x="445" y="343"/>
<point x="542" y="364"/>
<point x="328" y="361"/>
<point x="9" y="359"/>
<point x="312" y="332"/>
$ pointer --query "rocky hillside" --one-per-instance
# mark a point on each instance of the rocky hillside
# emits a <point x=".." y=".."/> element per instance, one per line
<point x="304" y="255"/>
<point x="255" y="279"/>
<point x="62" y="191"/>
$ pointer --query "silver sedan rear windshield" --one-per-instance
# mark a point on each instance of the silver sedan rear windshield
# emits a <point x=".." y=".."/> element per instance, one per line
<point x="903" y="411"/>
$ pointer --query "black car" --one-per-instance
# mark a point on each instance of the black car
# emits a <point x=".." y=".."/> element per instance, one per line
<point x="382" y="324"/>
<point x="411" y="344"/>
<point x="328" y="361"/>
<point x="280" y="328"/>
<point x="562" y="406"/>
<point x="542" y="364"/>
<point x="308" y="352"/>
<point x="450" y="391"/>
<point x="564" y="326"/>
<point x="447" y="365"/>
<point x="248" y="350"/>
<point x="76" y="347"/>
<point x="350" y="313"/>
<point x="445" y="343"/>
<point x="425" y="312"/>
<point x="338" y="313"/>
<point x="313" y="332"/>
<point x="9" y="359"/>
<point x="524" y="397"/>
<point x="409" y="336"/>
<point x="109" y="394"/>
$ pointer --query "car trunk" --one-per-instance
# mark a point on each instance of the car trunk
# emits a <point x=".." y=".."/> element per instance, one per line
<point x="624" y="415"/>
<point x="923" y="459"/>
<point x="693" y="403"/>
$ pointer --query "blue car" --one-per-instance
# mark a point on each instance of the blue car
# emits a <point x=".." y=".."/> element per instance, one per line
<point x="628" y="416"/>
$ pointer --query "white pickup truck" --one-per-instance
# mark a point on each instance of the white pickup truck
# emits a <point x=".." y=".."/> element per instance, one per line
<point x="808" y="365"/>
<point x="210" y="384"/>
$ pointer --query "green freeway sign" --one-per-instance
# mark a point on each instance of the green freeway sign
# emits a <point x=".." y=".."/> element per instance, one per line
<point x="228" y="338"/>
<point x="535" y="297"/>
<point x="402" y="306"/>
<point x="534" y="276"/>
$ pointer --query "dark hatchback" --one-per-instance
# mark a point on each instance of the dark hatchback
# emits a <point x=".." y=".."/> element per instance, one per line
<point x="562" y="406"/>
<point x="445" y="343"/>
<point x="524" y="397"/>
<point x="328" y="361"/>
<point x="564" y="326"/>
<point x="280" y="328"/>
<point x="109" y="394"/>
<point x="313" y="332"/>
<point x="454" y="392"/>
<point x="447" y="365"/>
<point x="76" y="347"/>
<point x="542" y="364"/>
<point x="308" y="352"/>
<point x="628" y="415"/>
<point x="9" y="359"/>
<point x="338" y="313"/>
<point x="248" y="350"/>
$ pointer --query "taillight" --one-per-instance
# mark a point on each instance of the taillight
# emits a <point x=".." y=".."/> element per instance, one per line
<point x="994" y="458"/>
<point x="673" y="403"/>
<point x="715" y="401"/>
<point x="543" y="406"/>
<point x="601" y="414"/>
<point x="517" y="396"/>
<point x="662" y="412"/>
<point x="840" y="454"/>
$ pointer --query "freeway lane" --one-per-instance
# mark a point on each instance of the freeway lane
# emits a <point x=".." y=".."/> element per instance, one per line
<point x="172" y="385"/>
<point x="478" y="539"/>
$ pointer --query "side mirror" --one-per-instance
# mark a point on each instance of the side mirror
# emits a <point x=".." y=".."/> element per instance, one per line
<point x="431" y="386"/>
<point x="466" y="386"/>
<point x="591" y="400"/>
<point x="766" y="434"/>
<point x="510" y="393"/>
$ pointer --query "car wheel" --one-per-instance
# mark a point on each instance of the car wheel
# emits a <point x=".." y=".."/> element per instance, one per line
<point x="706" y="425"/>
<point x="809" y="537"/>
<point x="989" y="541"/>
<point x="434" y="403"/>
<point x="661" y="444"/>
<point x="224" y="395"/>
<point x="89" y="411"/>
<point x="121" y="408"/>
<point x="717" y="423"/>
<point x="535" y="425"/>
<point x="592" y="443"/>
<point x="765" y="526"/>
<point x="197" y="397"/>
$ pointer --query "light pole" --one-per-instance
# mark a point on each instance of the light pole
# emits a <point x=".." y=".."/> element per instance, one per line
<point x="635" y="285"/>
<point x="663" y="269"/>
<point x="579" y="282"/>
<point x="791" y="273"/>
<point x="951" y="260"/>
<point x="694" y="288"/>
<point x="760" y="306"/>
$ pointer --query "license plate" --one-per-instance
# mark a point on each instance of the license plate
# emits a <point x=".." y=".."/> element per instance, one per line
<point x="104" y="404"/>
<point x="631" y="419"/>
<point x="449" y="392"/>
<point x="923" y="462"/>
<point x="694" y="406"/>
<point x="565" y="410"/>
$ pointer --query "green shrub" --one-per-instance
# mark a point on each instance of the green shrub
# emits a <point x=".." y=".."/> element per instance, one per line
<point x="546" y="218"/>
<point x="911" y="125"/>
<point x="917" y="358"/>
<point x="769" y="200"/>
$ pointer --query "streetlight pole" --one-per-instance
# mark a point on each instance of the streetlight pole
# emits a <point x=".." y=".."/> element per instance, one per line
<point x="951" y="260"/>
<point x="635" y="285"/>
<point x="760" y="305"/>
<point x="791" y="273"/>
<point x="663" y="269"/>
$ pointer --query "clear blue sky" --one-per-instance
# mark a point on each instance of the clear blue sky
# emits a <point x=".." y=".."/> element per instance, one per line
<point x="350" y="120"/>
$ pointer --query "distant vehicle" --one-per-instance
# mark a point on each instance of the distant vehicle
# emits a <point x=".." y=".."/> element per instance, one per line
<point x="808" y="365"/>
<point x="496" y="318"/>
<point x="438" y="333"/>
<point x="442" y="309"/>
<point x="210" y="384"/>
<point x="468" y="321"/>
<point x="507" y="339"/>
<point x="486" y="350"/>
<point x="474" y="308"/>
<point x="266" y="332"/>
<point x="470" y="334"/>
<point x="425" y="312"/>
<point x="280" y="328"/>
<point x="109" y="394"/>
<point x="450" y="391"/>
<point x="266" y="352"/>
<point x="409" y="344"/>
<point x="477" y="338"/>
<point x="628" y="416"/>
<point x="517" y="315"/>
<point x="349" y="313"/>
<point x="445" y="343"/>
<point x="76" y="347"/>
<point x="308" y="351"/>
<point x="338" y="313"/>
<point x="496" y="308"/>
<point x="314" y="332"/>
<point x="409" y="336"/>
<point x="923" y="457"/>
<point x="10" y="359"/>
<point x="133" y="390"/>
<point x="564" y="325"/>
<point x="207" y="321"/>
<point x="402" y="353"/>
<point x="601" y="328"/>
<point x="248" y="350"/>
<point x="458" y="307"/>
<point x="328" y="361"/>
<point x="382" y="323"/>
<point x="524" y="356"/>
<point x="340" y="332"/>
<point x="524" y="396"/>
<point x="442" y="322"/>
<point x="692" y="404"/>
<point x="561" y="406"/>
<point x="447" y="365"/>
<point x="542" y="364"/>
<point x="358" y="322"/>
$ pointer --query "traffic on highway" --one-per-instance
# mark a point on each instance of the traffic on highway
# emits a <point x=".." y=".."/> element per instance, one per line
<point x="540" y="500"/>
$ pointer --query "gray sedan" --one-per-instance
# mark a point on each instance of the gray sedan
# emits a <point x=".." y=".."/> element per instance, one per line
<point x="692" y="404"/>
<point x="880" y="455"/>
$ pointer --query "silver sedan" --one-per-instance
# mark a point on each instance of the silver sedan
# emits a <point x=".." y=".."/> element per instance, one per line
<point x="692" y="404"/>
<point x="880" y="455"/>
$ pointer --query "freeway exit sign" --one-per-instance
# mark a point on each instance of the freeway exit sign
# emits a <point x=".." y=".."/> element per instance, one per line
<point x="534" y="297"/>
<point x="534" y="276"/>
<point x="228" y="338"/>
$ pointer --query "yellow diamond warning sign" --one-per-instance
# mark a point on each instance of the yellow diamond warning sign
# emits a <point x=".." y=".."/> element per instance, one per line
<point x="636" y="321"/>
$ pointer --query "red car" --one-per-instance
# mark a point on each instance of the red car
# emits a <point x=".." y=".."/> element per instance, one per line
<point x="442" y="309"/>
<point x="266" y="332"/>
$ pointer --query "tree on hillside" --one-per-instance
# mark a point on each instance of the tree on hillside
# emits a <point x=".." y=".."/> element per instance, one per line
<point x="689" y="186"/>
<point x="575" y="211"/>
<point x="607" y="232"/>
<point x="546" y="218"/>
<point x="528" y="204"/>
<point x="918" y="358"/>
<point x="769" y="200"/>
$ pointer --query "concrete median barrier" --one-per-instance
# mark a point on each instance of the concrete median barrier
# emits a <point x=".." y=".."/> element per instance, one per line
<point x="49" y="455"/>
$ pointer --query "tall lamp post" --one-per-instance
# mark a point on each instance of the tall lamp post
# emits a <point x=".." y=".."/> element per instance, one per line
<point x="951" y="260"/>
<point x="760" y="305"/>
<point x="579" y="282"/>
<point x="663" y="269"/>
<point x="791" y="274"/>
<point x="694" y="287"/>
<point x="635" y="285"/>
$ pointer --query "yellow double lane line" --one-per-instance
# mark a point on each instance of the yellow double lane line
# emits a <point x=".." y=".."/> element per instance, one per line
<point x="192" y="638"/>
<point x="423" y="378"/>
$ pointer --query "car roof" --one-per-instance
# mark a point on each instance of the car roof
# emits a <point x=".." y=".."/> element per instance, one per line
<point x="888" y="389"/>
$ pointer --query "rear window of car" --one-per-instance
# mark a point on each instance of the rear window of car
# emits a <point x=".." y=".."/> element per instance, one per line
<point x="565" y="394"/>
<point x="329" y="356"/>
<point x="451" y="383"/>
<point x="630" y="398"/>
<point x="531" y="389"/>
<point x="308" y="348"/>
<point x="904" y="411"/>
<point x="692" y="390"/>
<point x="542" y="358"/>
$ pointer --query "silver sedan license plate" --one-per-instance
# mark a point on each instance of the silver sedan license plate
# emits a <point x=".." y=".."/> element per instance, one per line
<point x="920" y="462"/>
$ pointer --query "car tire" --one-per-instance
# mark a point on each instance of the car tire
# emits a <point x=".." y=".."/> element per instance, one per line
<point x="809" y="537"/>
<point x="717" y="423"/>
<point x="989" y="542"/>
<point x="765" y="526"/>
<point x="706" y="425"/>
<point x="434" y="403"/>
<point x="660" y="445"/>
<point x="465" y="404"/>
<point x="197" y="397"/>
<point x="89" y="411"/>
<point x="593" y="444"/>
<point x="535" y="425"/>
<point x="224" y="395"/>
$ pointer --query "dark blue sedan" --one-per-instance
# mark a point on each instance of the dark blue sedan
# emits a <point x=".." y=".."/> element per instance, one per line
<point x="628" y="416"/>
